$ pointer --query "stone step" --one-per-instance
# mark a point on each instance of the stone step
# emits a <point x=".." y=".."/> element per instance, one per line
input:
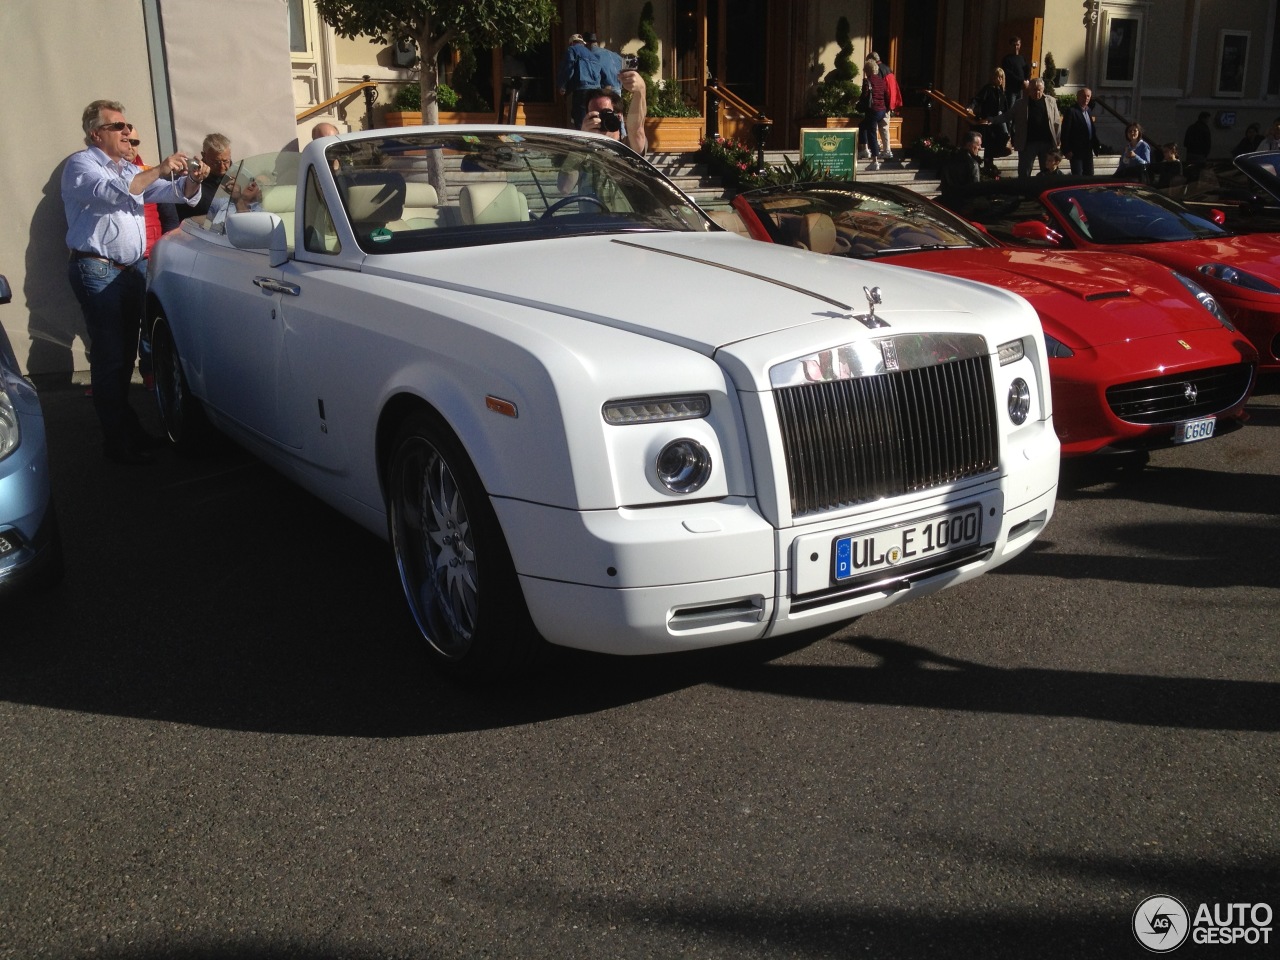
<point x="691" y="175"/>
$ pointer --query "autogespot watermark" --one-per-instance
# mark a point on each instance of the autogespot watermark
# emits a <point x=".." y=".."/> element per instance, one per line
<point x="1162" y="924"/>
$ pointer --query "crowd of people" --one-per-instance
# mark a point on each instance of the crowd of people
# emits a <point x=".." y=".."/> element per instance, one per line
<point x="1013" y="112"/>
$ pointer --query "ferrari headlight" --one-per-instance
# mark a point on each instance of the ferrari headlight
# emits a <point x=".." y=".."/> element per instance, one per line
<point x="684" y="466"/>
<point x="10" y="432"/>
<point x="656" y="409"/>
<point x="1057" y="348"/>
<point x="1019" y="401"/>
<point x="1237" y="278"/>
<point x="1206" y="298"/>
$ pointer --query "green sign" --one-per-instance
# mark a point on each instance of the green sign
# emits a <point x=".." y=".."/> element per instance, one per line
<point x="833" y="150"/>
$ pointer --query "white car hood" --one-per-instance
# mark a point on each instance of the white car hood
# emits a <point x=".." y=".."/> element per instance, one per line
<point x="741" y="291"/>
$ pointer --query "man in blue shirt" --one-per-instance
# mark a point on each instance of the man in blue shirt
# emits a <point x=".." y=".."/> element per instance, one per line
<point x="579" y="72"/>
<point x="103" y="193"/>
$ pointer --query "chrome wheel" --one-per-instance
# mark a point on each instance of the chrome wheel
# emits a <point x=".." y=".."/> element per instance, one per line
<point x="435" y="547"/>
<point x="454" y="564"/>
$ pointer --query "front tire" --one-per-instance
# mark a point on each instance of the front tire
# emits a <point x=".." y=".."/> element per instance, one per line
<point x="455" y="568"/>
<point x="181" y="414"/>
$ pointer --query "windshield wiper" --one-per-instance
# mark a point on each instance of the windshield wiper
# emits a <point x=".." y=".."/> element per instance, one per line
<point x="887" y="251"/>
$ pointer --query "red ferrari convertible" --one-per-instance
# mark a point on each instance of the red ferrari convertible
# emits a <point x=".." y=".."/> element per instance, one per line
<point x="1241" y="270"/>
<point x="1140" y="355"/>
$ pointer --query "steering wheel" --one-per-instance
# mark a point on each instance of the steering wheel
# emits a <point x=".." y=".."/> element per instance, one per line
<point x="565" y="201"/>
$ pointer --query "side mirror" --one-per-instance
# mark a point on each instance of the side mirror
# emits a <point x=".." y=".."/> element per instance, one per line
<point x="259" y="231"/>
<point x="1037" y="231"/>
<point x="1218" y="217"/>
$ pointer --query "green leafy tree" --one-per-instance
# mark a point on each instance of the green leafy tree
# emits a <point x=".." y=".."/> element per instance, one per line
<point x="648" y="55"/>
<point x="844" y="70"/>
<point x="434" y="24"/>
<point x="837" y="95"/>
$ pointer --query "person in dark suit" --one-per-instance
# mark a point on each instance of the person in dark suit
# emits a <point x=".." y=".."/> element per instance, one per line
<point x="1198" y="139"/>
<point x="1080" y="135"/>
<point x="965" y="169"/>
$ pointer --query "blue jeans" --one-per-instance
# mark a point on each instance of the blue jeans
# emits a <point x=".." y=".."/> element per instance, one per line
<point x="867" y="131"/>
<point x="112" y="301"/>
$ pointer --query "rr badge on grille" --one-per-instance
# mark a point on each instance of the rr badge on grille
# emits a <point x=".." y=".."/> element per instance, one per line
<point x="889" y="350"/>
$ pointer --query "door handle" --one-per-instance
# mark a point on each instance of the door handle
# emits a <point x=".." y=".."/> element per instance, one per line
<point x="277" y="286"/>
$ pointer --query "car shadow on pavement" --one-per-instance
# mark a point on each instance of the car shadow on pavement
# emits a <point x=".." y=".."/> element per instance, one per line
<point x="913" y="676"/>
<point x="214" y="592"/>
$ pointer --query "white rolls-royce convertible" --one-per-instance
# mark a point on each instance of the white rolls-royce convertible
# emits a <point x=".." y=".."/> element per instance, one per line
<point x="582" y="412"/>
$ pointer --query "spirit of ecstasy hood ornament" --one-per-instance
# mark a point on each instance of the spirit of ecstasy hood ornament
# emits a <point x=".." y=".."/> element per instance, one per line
<point x="869" y="319"/>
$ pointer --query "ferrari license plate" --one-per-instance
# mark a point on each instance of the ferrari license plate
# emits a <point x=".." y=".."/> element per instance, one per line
<point x="1191" y="430"/>
<point x="856" y="556"/>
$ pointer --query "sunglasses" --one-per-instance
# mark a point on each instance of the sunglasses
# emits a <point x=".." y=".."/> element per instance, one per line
<point x="134" y="143"/>
<point x="117" y="126"/>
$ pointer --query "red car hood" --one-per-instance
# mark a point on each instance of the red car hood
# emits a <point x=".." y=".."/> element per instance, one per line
<point x="1258" y="253"/>
<point x="1084" y="299"/>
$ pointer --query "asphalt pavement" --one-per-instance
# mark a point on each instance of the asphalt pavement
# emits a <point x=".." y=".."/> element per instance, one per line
<point x="219" y="738"/>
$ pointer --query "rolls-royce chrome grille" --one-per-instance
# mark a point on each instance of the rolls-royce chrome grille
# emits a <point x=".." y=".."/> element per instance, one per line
<point x="855" y="439"/>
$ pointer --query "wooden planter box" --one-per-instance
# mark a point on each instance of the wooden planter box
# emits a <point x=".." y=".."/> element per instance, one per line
<point x="410" y="118"/>
<point x="674" y="134"/>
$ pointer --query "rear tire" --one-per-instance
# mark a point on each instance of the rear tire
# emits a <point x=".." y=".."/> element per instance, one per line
<point x="455" y="567"/>
<point x="181" y="414"/>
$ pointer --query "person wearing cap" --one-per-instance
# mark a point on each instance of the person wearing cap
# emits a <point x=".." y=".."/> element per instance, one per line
<point x="104" y="194"/>
<point x="579" y="72"/>
<point x="611" y="64"/>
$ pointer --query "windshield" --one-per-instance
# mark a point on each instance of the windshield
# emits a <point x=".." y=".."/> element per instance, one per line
<point x="1128" y="214"/>
<point x="1263" y="169"/>
<point x="467" y="186"/>
<point x="855" y="222"/>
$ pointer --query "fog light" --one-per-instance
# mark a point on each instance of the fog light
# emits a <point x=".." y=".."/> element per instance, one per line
<point x="684" y="466"/>
<point x="1019" y="401"/>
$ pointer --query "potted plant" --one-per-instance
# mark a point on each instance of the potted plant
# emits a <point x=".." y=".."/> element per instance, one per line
<point x="458" y="102"/>
<point x="835" y="98"/>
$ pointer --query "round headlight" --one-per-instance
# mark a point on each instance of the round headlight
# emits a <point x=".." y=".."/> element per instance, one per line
<point x="684" y="466"/>
<point x="1019" y="401"/>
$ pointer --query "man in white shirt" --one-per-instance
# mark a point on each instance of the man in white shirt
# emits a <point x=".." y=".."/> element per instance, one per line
<point x="103" y="193"/>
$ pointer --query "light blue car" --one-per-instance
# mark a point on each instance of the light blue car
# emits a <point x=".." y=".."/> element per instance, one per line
<point x="30" y="547"/>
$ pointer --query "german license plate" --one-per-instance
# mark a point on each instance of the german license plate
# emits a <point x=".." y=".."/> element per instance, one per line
<point x="1190" y="431"/>
<point x="860" y="554"/>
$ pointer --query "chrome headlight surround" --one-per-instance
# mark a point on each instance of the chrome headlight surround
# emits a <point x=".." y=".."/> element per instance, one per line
<point x="1018" y="402"/>
<point x="683" y="466"/>
<point x="1205" y="298"/>
<point x="10" y="430"/>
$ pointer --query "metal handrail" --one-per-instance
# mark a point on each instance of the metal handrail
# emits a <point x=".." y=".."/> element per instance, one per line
<point x="1111" y="110"/>
<point x="368" y="87"/>
<point x="953" y="105"/>
<point x="716" y="92"/>
<point x="716" y="88"/>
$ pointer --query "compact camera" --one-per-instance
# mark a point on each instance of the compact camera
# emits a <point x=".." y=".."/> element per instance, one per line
<point x="193" y="166"/>
<point x="610" y="122"/>
<point x="631" y="62"/>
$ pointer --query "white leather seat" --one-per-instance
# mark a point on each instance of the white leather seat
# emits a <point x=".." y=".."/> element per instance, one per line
<point x="492" y="202"/>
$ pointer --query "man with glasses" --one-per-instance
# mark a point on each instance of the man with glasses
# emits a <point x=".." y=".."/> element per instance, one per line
<point x="215" y="153"/>
<point x="103" y="193"/>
